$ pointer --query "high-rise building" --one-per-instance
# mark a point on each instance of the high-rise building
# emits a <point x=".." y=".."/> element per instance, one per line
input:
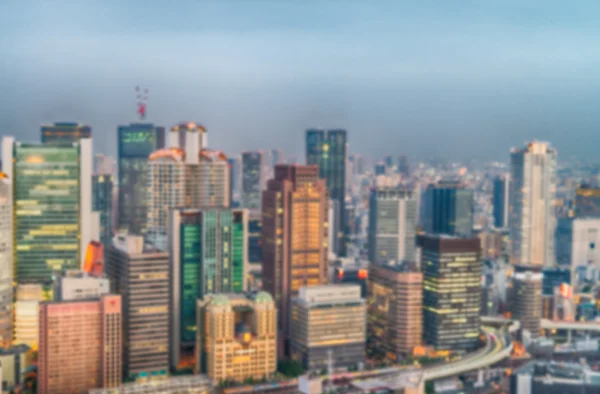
<point x="328" y="150"/>
<point x="80" y="345"/>
<point x="6" y="261"/>
<point x="328" y="324"/>
<point x="61" y="133"/>
<point x="235" y="180"/>
<point x="253" y="180"/>
<point x="237" y="336"/>
<point x="452" y="270"/>
<point x="532" y="220"/>
<point x="135" y="143"/>
<point x="501" y="193"/>
<point x="140" y="274"/>
<point x="334" y="226"/>
<point x="587" y="202"/>
<point x="527" y="300"/>
<point x="403" y="166"/>
<point x="208" y="254"/>
<point x="392" y="225"/>
<point x="78" y="285"/>
<point x="28" y="297"/>
<point x="294" y="236"/>
<point x="449" y="209"/>
<point x="395" y="323"/>
<point x="254" y="234"/>
<point x="184" y="179"/>
<point x="578" y="242"/>
<point x="52" y="203"/>
<point x="102" y="202"/>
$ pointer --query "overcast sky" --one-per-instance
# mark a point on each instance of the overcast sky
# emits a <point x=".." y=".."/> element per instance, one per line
<point x="453" y="79"/>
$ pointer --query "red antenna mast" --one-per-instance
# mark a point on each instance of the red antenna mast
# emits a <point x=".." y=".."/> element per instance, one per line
<point x="142" y="100"/>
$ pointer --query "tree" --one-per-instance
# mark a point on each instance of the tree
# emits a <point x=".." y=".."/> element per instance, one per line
<point x="429" y="387"/>
<point x="290" y="368"/>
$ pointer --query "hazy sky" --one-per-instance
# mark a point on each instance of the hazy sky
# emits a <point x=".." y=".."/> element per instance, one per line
<point x="424" y="78"/>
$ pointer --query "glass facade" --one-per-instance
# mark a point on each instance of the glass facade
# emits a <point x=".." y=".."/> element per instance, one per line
<point x="136" y="142"/>
<point x="328" y="151"/>
<point x="47" y="210"/>
<point x="102" y="197"/>
<point x="191" y="272"/>
<point x="449" y="209"/>
<point x="252" y="181"/>
<point x="254" y="235"/>
<point x="64" y="133"/>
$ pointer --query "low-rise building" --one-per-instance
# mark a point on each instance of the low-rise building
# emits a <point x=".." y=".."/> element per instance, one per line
<point x="548" y="377"/>
<point x="78" y="285"/>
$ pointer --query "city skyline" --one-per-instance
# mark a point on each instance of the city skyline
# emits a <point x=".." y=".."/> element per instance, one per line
<point x="490" y="77"/>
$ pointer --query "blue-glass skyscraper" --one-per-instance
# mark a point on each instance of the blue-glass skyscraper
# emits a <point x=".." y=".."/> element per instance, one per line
<point x="449" y="209"/>
<point x="327" y="149"/>
<point x="501" y="188"/>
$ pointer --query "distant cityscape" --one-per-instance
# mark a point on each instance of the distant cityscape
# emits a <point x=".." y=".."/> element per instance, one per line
<point x="177" y="268"/>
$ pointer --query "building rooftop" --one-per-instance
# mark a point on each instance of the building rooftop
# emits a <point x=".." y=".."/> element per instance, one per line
<point x="551" y="372"/>
<point x="404" y="266"/>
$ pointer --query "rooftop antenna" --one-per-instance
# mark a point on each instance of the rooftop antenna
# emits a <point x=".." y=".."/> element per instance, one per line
<point x="142" y="100"/>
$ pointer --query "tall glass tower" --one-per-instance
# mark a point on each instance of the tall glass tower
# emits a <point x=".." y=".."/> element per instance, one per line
<point x="102" y="202"/>
<point x="135" y="143"/>
<point x="208" y="254"/>
<point x="52" y="206"/>
<point x="328" y="149"/>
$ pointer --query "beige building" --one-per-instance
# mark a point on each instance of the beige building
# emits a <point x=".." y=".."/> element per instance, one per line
<point x="26" y="314"/>
<point x="14" y="361"/>
<point x="328" y="321"/>
<point x="237" y="336"/>
<point x="395" y="323"/>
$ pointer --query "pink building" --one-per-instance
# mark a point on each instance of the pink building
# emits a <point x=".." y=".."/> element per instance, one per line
<point x="79" y="345"/>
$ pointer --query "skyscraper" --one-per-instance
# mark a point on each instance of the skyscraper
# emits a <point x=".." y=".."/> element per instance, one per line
<point x="52" y="189"/>
<point x="6" y="261"/>
<point x="80" y="345"/>
<point x="587" y="202"/>
<point x="208" y="254"/>
<point x="392" y="225"/>
<point x="451" y="269"/>
<point x="395" y="323"/>
<point x="328" y="151"/>
<point x="294" y="236"/>
<point x="254" y="235"/>
<point x="403" y="166"/>
<point x="252" y="180"/>
<point x="532" y="220"/>
<point x="501" y="193"/>
<point x="102" y="202"/>
<point x="527" y="300"/>
<point x="237" y="336"/>
<point x="140" y="274"/>
<point x="449" y="209"/>
<point x="135" y="143"/>
<point x="235" y="180"/>
<point x="61" y="133"/>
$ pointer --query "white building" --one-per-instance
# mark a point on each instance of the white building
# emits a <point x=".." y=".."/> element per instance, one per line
<point x="27" y="314"/>
<point x="578" y="242"/>
<point x="77" y="285"/>
<point x="532" y="220"/>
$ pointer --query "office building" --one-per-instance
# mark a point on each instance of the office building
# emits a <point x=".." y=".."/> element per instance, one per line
<point x="6" y="261"/>
<point x="52" y="203"/>
<point x="102" y="202"/>
<point x="550" y="377"/>
<point x="587" y="202"/>
<point x="192" y="384"/>
<point x="294" y="236"/>
<point x="328" y="150"/>
<point x="527" y="301"/>
<point x="253" y="180"/>
<point x="532" y="220"/>
<point x="578" y="242"/>
<point x="554" y="277"/>
<point x="334" y="226"/>
<point x="208" y="254"/>
<point x="235" y="180"/>
<point x="64" y="133"/>
<point x="237" y="336"/>
<point x="501" y="193"/>
<point x="491" y="244"/>
<point x="78" y="285"/>
<point x="254" y="235"/>
<point x="15" y="361"/>
<point x="135" y="143"/>
<point x="328" y="324"/>
<point x="392" y="224"/>
<point x="28" y="297"/>
<point x="395" y="323"/>
<point x="209" y="180"/>
<point x="452" y="270"/>
<point x="449" y="209"/>
<point x="140" y="274"/>
<point x="403" y="166"/>
<point x="80" y="345"/>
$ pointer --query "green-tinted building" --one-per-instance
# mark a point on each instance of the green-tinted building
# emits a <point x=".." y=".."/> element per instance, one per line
<point x="51" y="206"/>
<point x="102" y="202"/>
<point x="135" y="143"/>
<point x="208" y="252"/>
<point x="61" y="133"/>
